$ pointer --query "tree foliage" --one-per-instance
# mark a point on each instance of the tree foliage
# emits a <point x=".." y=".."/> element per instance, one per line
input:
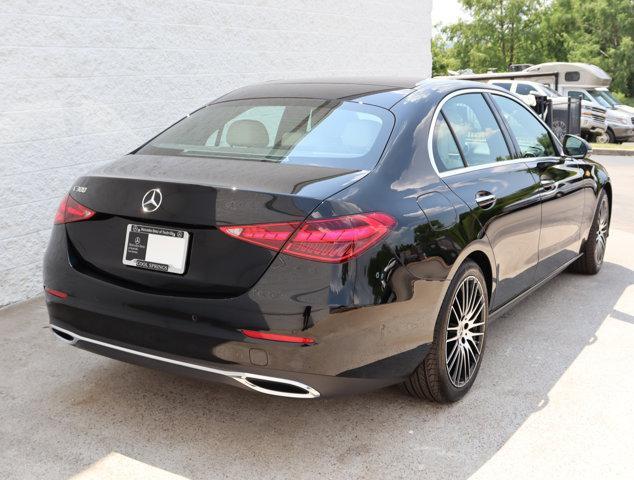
<point x="502" y="32"/>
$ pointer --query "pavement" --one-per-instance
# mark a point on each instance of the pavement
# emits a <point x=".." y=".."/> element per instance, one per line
<point x="554" y="399"/>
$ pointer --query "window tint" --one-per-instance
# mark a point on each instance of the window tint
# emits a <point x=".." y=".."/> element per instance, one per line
<point x="532" y="137"/>
<point x="524" y="89"/>
<point x="504" y="85"/>
<point x="446" y="151"/>
<point x="476" y="129"/>
<point x="285" y="130"/>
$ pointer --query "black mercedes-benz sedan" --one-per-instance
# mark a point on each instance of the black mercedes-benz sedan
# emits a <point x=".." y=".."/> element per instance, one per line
<point x="317" y="237"/>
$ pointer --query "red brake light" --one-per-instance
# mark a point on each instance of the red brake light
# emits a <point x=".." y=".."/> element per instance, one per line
<point x="276" y="337"/>
<point x="70" y="210"/>
<point x="267" y="235"/>
<point x="332" y="240"/>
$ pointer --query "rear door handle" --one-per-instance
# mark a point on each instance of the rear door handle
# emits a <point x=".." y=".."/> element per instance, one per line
<point x="485" y="199"/>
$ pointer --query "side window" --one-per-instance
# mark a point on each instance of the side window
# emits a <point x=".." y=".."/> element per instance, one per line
<point x="476" y="129"/>
<point x="532" y="136"/>
<point x="572" y="76"/>
<point x="524" y="89"/>
<point x="446" y="151"/>
<point x="504" y="85"/>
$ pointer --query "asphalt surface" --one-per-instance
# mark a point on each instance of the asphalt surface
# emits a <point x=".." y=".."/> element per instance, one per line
<point x="554" y="399"/>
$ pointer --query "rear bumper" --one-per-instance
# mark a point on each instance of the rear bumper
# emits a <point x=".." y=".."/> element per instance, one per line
<point x="365" y="339"/>
<point x="283" y="384"/>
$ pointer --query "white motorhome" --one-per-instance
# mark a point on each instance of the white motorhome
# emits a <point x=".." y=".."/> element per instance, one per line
<point x="590" y="83"/>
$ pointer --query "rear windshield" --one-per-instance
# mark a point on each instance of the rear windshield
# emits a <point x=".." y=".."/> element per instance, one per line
<point x="287" y="130"/>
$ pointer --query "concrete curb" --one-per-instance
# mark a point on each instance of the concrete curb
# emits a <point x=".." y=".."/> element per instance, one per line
<point x="612" y="151"/>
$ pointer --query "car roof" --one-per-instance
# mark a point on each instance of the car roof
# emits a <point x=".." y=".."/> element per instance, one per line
<point x="381" y="91"/>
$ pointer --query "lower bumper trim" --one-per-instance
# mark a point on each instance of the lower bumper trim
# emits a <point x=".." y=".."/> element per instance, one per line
<point x="280" y="387"/>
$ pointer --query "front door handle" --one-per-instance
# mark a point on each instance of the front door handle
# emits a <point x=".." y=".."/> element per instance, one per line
<point x="485" y="199"/>
<point x="548" y="184"/>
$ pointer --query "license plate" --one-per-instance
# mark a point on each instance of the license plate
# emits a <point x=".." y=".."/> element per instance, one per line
<point x="156" y="248"/>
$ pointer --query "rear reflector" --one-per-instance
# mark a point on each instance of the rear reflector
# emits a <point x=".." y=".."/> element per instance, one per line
<point x="277" y="337"/>
<point x="70" y="210"/>
<point x="332" y="240"/>
<point x="56" y="293"/>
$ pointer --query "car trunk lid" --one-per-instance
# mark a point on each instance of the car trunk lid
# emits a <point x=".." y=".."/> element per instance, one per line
<point x="197" y="195"/>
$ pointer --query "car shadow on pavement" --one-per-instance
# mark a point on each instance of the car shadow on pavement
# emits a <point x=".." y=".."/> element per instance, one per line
<point x="198" y="429"/>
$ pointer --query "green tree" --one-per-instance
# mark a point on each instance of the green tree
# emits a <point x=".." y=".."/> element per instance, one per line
<point x="499" y="33"/>
<point x="502" y="32"/>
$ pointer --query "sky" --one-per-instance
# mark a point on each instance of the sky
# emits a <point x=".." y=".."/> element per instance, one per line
<point x="446" y="11"/>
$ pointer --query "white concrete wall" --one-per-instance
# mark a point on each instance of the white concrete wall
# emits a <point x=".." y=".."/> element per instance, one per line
<point x="82" y="82"/>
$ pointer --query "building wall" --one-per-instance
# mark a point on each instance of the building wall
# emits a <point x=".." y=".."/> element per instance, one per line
<point x="84" y="82"/>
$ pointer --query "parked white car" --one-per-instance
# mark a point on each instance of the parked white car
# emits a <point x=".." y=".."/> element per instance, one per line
<point x="620" y="122"/>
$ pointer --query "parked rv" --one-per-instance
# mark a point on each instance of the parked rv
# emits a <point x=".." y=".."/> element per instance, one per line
<point x="590" y="83"/>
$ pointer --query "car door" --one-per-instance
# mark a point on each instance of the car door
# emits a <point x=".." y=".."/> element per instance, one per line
<point x="501" y="191"/>
<point x="562" y="181"/>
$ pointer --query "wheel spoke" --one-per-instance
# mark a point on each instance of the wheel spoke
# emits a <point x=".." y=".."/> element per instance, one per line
<point x="467" y="355"/>
<point x="453" y="310"/>
<point x="475" y="344"/>
<point x="465" y="331"/>
<point x="477" y="312"/>
<point x="453" y="356"/>
<point x="460" y="359"/>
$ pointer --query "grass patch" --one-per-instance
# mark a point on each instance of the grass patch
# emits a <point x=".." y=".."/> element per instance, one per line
<point x="613" y="146"/>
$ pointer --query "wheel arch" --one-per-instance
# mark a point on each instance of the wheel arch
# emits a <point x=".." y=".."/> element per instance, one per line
<point x="481" y="253"/>
<point x="481" y="259"/>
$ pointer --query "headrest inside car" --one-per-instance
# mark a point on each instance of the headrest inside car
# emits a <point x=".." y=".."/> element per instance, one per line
<point x="247" y="133"/>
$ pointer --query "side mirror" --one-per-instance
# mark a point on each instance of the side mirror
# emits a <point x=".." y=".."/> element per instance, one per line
<point x="576" y="147"/>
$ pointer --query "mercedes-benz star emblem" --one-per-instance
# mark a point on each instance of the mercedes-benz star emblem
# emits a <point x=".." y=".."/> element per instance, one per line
<point x="152" y="200"/>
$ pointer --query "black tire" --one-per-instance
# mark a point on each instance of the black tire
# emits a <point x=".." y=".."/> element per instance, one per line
<point x="432" y="379"/>
<point x="593" y="252"/>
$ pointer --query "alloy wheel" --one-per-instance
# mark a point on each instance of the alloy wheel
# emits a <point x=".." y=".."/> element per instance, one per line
<point x="602" y="232"/>
<point x="465" y="331"/>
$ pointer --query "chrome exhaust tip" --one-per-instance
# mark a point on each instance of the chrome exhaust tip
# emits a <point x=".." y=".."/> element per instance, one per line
<point x="280" y="387"/>
<point x="64" y="336"/>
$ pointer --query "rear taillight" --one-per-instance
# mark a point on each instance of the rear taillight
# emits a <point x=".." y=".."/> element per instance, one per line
<point x="70" y="210"/>
<point x="332" y="240"/>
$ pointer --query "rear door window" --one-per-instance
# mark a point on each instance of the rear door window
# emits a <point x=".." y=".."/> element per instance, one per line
<point x="532" y="137"/>
<point x="476" y="129"/>
<point x="446" y="152"/>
